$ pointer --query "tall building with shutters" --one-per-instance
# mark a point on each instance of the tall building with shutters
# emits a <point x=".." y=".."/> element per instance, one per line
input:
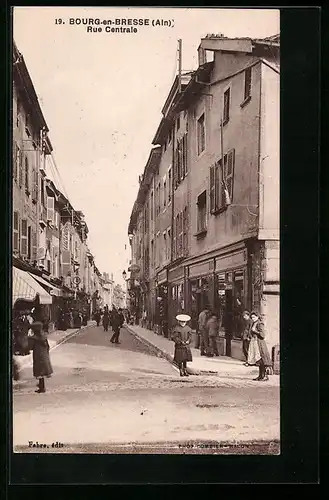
<point x="29" y="145"/>
<point x="221" y="124"/>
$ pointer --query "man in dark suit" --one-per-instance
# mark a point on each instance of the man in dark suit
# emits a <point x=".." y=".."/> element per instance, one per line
<point x="116" y="323"/>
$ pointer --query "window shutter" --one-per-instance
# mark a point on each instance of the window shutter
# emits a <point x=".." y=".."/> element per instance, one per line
<point x="185" y="154"/>
<point x="66" y="263"/>
<point x="24" y="237"/>
<point x="16" y="232"/>
<point x="185" y="229"/>
<point x="230" y="172"/>
<point x="15" y="160"/>
<point x="50" y="208"/>
<point x="27" y="174"/>
<point x="34" y="245"/>
<point x="20" y="163"/>
<point x="212" y="189"/>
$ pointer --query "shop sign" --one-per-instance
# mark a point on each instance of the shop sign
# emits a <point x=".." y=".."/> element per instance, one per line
<point x="202" y="268"/>
<point x="230" y="261"/>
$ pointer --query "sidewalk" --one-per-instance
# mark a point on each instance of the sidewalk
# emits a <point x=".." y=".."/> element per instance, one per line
<point x="54" y="338"/>
<point x="222" y="366"/>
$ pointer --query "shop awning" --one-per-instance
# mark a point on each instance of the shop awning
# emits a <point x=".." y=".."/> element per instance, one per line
<point x="53" y="289"/>
<point x="26" y="287"/>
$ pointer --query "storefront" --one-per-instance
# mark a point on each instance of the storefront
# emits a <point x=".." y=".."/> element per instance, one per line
<point x="162" y="303"/>
<point x="176" y="292"/>
<point x="221" y="284"/>
<point x="200" y="289"/>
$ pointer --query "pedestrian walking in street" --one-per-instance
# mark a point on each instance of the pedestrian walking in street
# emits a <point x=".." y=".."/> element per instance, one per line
<point x="106" y="319"/>
<point x="202" y="323"/>
<point x="182" y="336"/>
<point x="262" y="357"/>
<point x="116" y="323"/>
<point x="97" y="317"/>
<point x="246" y="335"/>
<point x="212" y="328"/>
<point x="41" y="360"/>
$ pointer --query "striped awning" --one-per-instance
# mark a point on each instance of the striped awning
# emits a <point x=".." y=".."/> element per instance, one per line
<point x="53" y="289"/>
<point x="26" y="287"/>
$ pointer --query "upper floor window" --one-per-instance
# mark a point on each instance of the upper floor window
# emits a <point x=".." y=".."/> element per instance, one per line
<point x="27" y="176"/>
<point x="16" y="161"/>
<point x="164" y="192"/>
<point x="178" y="123"/>
<point x="152" y="205"/>
<point x="50" y="208"/>
<point x="226" y="106"/>
<point x="16" y="232"/>
<point x="221" y="183"/>
<point x="247" y="83"/>
<point x="202" y="212"/>
<point x="169" y="185"/>
<point x="24" y="237"/>
<point x="201" y="134"/>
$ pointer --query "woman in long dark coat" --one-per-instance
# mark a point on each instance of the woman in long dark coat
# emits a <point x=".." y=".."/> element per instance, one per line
<point x="182" y="337"/>
<point x="106" y="319"/>
<point x="41" y="361"/>
<point x="257" y="330"/>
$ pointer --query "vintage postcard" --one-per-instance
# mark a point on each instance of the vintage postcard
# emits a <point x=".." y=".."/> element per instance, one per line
<point x="145" y="230"/>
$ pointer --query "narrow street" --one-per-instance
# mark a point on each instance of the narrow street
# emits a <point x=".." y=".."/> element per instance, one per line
<point x="102" y="396"/>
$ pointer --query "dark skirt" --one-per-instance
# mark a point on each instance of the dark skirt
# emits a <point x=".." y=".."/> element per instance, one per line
<point x="264" y="352"/>
<point x="41" y="360"/>
<point x="182" y="353"/>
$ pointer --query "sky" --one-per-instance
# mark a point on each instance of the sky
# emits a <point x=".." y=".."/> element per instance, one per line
<point x="102" y="94"/>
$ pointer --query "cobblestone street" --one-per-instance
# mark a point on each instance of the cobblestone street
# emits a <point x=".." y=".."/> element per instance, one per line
<point x="126" y="393"/>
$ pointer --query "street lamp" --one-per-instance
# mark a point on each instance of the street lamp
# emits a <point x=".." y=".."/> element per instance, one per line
<point x="124" y="275"/>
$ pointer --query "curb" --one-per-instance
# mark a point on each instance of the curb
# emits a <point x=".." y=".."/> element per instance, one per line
<point x="57" y="343"/>
<point x="169" y="357"/>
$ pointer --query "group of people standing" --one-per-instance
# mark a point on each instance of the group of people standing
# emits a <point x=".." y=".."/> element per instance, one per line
<point x="30" y="328"/>
<point x="253" y="340"/>
<point x="114" y="318"/>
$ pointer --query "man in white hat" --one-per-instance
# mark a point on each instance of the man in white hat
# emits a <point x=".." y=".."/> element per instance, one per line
<point x="182" y="337"/>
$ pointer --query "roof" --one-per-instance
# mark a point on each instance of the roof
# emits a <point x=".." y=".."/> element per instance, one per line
<point x="150" y="168"/>
<point x="22" y="78"/>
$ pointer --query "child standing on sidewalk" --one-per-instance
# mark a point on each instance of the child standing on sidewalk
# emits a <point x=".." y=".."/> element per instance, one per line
<point x="182" y="337"/>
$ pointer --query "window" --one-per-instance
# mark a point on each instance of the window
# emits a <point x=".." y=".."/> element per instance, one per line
<point x="185" y="231"/>
<point x="247" y="83"/>
<point x="50" y="208"/>
<point x="164" y="192"/>
<point x="27" y="176"/>
<point x="184" y="155"/>
<point x="169" y="185"/>
<point x="157" y="201"/>
<point x="201" y="134"/>
<point x="202" y="212"/>
<point x="229" y="161"/>
<point x="16" y="161"/>
<point x="226" y="110"/>
<point x="152" y="205"/>
<point x="34" y="242"/>
<point x="29" y="242"/>
<point x="146" y="217"/>
<point x="24" y="237"/>
<point x="178" y="123"/>
<point x="157" y="249"/>
<point x="218" y="197"/>
<point x="165" y="245"/>
<point x="152" y="253"/>
<point x="16" y="232"/>
<point x="35" y="186"/>
<point x="169" y="243"/>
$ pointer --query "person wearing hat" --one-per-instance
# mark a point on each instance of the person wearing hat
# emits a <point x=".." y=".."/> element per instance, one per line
<point x="264" y="361"/>
<point x="246" y="335"/>
<point x="182" y="337"/>
<point x="41" y="361"/>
